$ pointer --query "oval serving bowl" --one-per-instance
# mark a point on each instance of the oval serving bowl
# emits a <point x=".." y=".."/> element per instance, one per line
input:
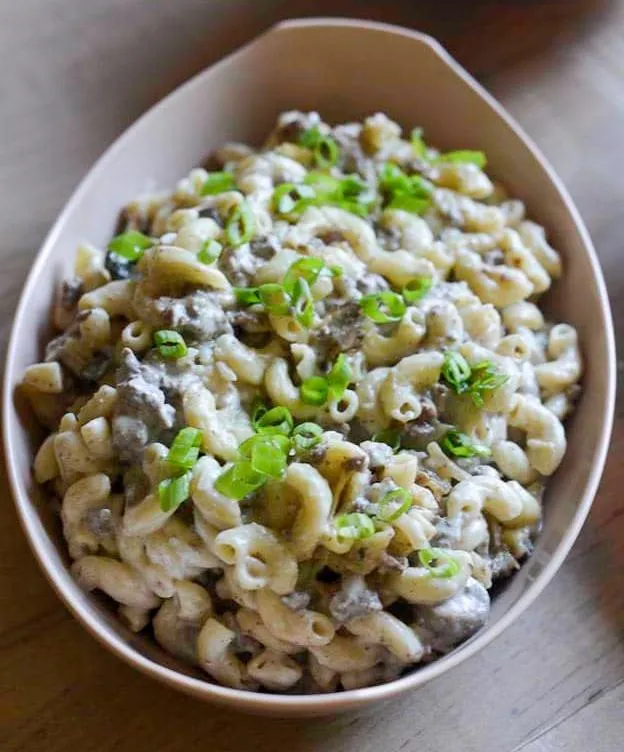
<point x="363" y="68"/>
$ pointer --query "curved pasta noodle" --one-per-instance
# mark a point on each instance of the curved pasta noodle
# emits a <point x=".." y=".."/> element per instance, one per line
<point x="417" y="584"/>
<point x="305" y="628"/>
<point x="315" y="503"/>
<point x="116" y="579"/>
<point x="217" y="509"/>
<point x="383" y="629"/>
<point x="215" y="656"/>
<point x="545" y="436"/>
<point x="259" y="558"/>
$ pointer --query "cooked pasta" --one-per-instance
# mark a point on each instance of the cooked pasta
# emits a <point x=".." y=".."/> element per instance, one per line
<point x="303" y="406"/>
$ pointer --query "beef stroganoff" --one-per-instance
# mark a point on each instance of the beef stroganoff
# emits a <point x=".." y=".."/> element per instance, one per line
<point x="304" y="406"/>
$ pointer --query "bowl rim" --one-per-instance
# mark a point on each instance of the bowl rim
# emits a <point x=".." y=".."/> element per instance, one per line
<point x="335" y="701"/>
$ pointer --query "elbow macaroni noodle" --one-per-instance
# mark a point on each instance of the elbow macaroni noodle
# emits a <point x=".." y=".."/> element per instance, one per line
<point x="375" y="288"/>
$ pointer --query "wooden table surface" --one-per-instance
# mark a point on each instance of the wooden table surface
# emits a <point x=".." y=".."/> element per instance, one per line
<point x="73" y="75"/>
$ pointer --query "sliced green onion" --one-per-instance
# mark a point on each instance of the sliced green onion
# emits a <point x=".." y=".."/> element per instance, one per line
<point x="336" y="271"/>
<point x="326" y="152"/>
<point x="277" y="441"/>
<point x="210" y="251"/>
<point x="131" y="245"/>
<point x="314" y="391"/>
<point x="473" y="380"/>
<point x="170" y="344"/>
<point x="269" y="455"/>
<point x="274" y="298"/>
<point x="247" y="296"/>
<point x="290" y="199"/>
<point x="184" y="450"/>
<point x="389" y="436"/>
<point x="418" y="144"/>
<point x="456" y="371"/>
<point x="324" y="185"/>
<point x="355" y="195"/>
<point x="354" y="526"/>
<point x="484" y="378"/>
<point x="410" y="193"/>
<point x="383" y="307"/>
<point x="464" y="156"/>
<point x="324" y="149"/>
<point x="174" y="491"/>
<point x="218" y="182"/>
<point x="239" y="480"/>
<point x="438" y="562"/>
<point x="310" y="137"/>
<point x="392" y="179"/>
<point x="306" y="435"/>
<point x="276" y="420"/>
<point x="307" y="268"/>
<point x="420" y="187"/>
<point x="457" y="444"/>
<point x="412" y="204"/>
<point x="350" y="193"/>
<point x="303" y="303"/>
<point x="339" y="377"/>
<point x="393" y="504"/>
<point x="352" y="186"/>
<point x="258" y="409"/>
<point x="240" y="225"/>
<point x="416" y="289"/>
<point x="355" y="207"/>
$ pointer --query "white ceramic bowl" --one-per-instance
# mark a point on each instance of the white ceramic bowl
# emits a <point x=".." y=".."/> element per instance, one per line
<point x="346" y="70"/>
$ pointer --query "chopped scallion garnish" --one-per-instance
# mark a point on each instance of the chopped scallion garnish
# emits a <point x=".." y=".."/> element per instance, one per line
<point x="416" y="289"/>
<point x="307" y="268"/>
<point x="410" y="193"/>
<point x="247" y="296"/>
<point x="383" y="307"/>
<point x="274" y="298"/>
<point x="354" y="526"/>
<point x="339" y="377"/>
<point x="464" y="156"/>
<point x="184" y="450"/>
<point x="170" y="344"/>
<point x="218" y="182"/>
<point x="174" y="491"/>
<point x="324" y="149"/>
<point x="267" y="453"/>
<point x="418" y="144"/>
<point x="314" y="391"/>
<point x="240" y="225"/>
<point x="412" y="204"/>
<point x="303" y="303"/>
<point x="473" y="380"/>
<point x="305" y="436"/>
<point x="290" y="200"/>
<point x="239" y="480"/>
<point x="456" y="371"/>
<point x="276" y="420"/>
<point x="210" y="251"/>
<point x="484" y="378"/>
<point x="457" y="444"/>
<point x="393" y="504"/>
<point x="438" y="562"/>
<point x="130" y="245"/>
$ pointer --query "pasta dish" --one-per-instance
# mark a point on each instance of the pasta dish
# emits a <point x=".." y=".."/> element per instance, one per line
<point x="302" y="409"/>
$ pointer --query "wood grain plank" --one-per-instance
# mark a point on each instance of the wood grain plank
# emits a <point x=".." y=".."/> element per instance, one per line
<point x="598" y="726"/>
